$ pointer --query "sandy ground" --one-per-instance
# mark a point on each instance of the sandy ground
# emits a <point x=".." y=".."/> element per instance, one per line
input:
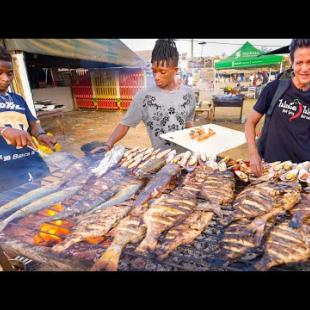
<point x="85" y="126"/>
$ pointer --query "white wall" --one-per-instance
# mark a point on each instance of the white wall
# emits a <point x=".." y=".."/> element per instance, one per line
<point x="59" y="95"/>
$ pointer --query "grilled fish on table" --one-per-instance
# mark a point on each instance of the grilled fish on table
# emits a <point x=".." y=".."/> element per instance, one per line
<point x="285" y="245"/>
<point x="184" y="233"/>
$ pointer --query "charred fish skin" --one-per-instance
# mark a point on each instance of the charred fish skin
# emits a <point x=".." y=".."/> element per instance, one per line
<point x="185" y="233"/>
<point x="163" y="213"/>
<point x="40" y="204"/>
<point x="260" y="199"/>
<point x="235" y="243"/>
<point x="129" y="230"/>
<point x="301" y="212"/>
<point x="92" y="226"/>
<point x="285" y="245"/>
<point x="219" y="187"/>
<point x="158" y="183"/>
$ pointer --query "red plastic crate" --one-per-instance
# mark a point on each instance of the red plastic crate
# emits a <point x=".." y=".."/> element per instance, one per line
<point x="85" y="103"/>
<point x="106" y="104"/>
<point x="84" y="92"/>
<point x="82" y="80"/>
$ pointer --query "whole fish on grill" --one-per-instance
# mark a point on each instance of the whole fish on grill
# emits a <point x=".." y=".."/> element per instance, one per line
<point x="150" y="167"/>
<point x="113" y="195"/>
<point x="184" y="233"/>
<point x="236" y="242"/>
<point x="301" y="211"/>
<point x="285" y="245"/>
<point x="92" y="226"/>
<point x="164" y="212"/>
<point x="111" y="159"/>
<point x="288" y="199"/>
<point x="260" y="199"/>
<point x="129" y="230"/>
<point x="218" y="188"/>
<point x="27" y="198"/>
<point x="158" y="183"/>
<point x="40" y="204"/>
<point x="124" y="194"/>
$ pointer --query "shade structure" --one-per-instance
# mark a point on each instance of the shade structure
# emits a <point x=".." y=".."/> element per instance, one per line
<point x="248" y="57"/>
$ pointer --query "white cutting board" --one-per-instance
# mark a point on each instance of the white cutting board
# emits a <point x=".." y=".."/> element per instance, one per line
<point x="223" y="140"/>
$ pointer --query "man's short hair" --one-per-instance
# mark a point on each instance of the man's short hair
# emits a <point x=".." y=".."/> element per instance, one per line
<point x="5" y="55"/>
<point x="165" y="52"/>
<point x="298" y="43"/>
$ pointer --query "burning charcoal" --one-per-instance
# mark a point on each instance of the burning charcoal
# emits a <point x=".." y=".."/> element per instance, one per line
<point x="139" y="263"/>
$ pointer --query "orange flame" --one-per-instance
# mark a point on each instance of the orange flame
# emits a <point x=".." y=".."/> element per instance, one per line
<point x="51" y="233"/>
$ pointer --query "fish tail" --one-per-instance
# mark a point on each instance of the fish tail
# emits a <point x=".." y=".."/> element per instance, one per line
<point x="109" y="260"/>
<point x="61" y="247"/>
<point x="149" y="243"/>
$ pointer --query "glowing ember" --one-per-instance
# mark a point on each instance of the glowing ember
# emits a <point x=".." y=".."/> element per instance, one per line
<point x="94" y="240"/>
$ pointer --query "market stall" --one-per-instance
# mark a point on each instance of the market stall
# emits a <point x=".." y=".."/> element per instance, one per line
<point x="146" y="209"/>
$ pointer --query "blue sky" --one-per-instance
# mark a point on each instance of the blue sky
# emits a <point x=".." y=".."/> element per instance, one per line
<point x="212" y="48"/>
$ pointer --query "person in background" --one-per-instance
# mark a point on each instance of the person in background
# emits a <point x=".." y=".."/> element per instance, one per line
<point x="166" y="107"/>
<point x="19" y="161"/>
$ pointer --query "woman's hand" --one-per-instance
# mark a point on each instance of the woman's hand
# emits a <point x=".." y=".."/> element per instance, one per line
<point x="49" y="141"/>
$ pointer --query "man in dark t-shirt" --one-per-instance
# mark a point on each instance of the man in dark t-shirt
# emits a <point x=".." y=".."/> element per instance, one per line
<point x="19" y="162"/>
<point x="288" y="135"/>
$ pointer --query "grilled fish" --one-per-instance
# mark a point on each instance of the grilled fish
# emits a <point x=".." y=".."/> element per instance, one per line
<point x="301" y="211"/>
<point x="129" y="230"/>
<point x="122" y="195"/>
<point x="150" y="167"/>
<point x="158" y="183"/>
<point x="27" y="198"/>
<point x="236" y="242"/>
<point x="285" y="245"/>
<point x="284" y="203"/>
<point x="164" y="212"/>
<point x="184" y="233"/>
<point x="40" y="204"/>
<point x="218" y="188"/>
<point x="260" y="199"/>
<point x="95" y="225"/>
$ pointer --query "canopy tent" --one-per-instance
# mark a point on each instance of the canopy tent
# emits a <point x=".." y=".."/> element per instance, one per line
<point x="247" y="57"/>
<point x="110" y="51"/>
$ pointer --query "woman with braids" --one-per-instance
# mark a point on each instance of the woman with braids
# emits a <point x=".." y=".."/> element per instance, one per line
<point x="168" y="106"/>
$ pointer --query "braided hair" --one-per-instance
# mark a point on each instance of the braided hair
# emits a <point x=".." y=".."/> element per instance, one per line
<point x="165" y="52"/>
